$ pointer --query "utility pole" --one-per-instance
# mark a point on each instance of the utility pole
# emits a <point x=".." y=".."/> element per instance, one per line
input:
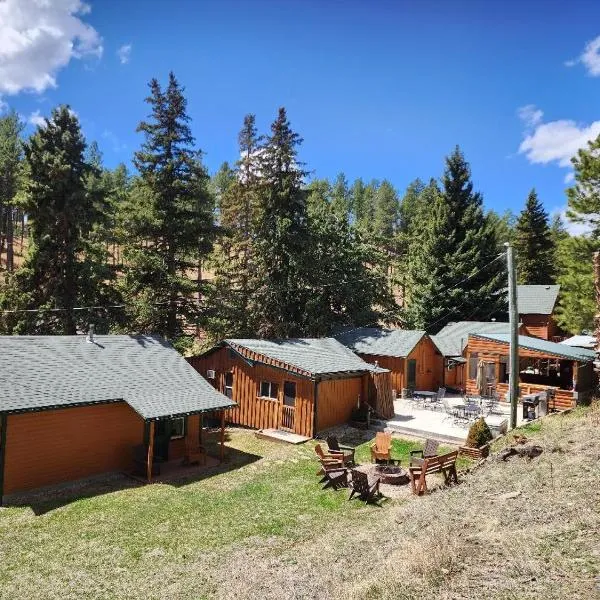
<point x="513" y="317"/>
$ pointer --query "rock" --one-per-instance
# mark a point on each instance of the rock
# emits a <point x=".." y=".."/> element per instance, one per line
<point x="509" y="495"/>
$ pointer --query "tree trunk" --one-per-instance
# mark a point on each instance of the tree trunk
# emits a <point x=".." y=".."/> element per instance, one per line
<point x="9" y="238"/>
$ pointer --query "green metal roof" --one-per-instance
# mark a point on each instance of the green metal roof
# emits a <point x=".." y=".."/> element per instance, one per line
<point x="146" y="372"/>
<point x="537" y="299"/>
<point x="452" y="339"/>
<point x="543" y="346"/>
<point x="381" y="342"/>
<point x="316" y="356"/>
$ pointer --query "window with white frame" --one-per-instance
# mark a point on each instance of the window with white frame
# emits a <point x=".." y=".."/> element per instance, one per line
<point x="268" y="389"/>
<point x="177" y="428"/>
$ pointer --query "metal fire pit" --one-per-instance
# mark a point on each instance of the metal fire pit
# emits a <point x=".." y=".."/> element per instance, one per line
<point x="391" y="474"/>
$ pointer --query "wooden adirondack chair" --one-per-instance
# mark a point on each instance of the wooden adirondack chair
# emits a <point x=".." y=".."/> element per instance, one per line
<point x="382" y="447"/>
<point x="430" y="449"/>
<point x="366" y="489"/>
<point x="346" y="451"/>
<point x="329" y="454"/>
<point x="194" y="453"/>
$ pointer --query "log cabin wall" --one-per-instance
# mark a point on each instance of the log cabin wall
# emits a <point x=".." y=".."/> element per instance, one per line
<point x="253" y="410"/>
<point x="540" y="326"/>
<point x="455" y="377"/>
<point x="54" y="446"/>
<point x="336" y="399"/>
<point x="491" y="351"/>
<point x="393" y="364"/>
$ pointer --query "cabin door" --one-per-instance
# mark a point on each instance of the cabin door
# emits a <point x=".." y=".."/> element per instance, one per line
<point x="288" y="408"/>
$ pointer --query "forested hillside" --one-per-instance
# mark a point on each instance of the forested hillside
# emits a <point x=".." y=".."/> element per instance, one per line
<point x="260" y="248"/>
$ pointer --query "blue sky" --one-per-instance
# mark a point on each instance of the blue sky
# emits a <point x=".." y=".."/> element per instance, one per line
<point x="376" y="89"/>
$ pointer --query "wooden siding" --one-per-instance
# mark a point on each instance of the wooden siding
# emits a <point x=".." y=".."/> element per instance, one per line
<point x="336" y="399"/>
<point x="539" y="326"/>
<point x="455" y="377"/>
<point x="252" y="410"/>
<point x="54" y="446"/>
<point x="491" y="351"/>
<point x="430" y="366"/>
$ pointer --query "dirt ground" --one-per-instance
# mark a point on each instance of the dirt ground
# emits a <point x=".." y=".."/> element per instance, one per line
<point x="518" y="529"/>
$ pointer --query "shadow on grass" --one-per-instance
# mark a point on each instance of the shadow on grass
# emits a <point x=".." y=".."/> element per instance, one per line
<point x="175" y="474"/>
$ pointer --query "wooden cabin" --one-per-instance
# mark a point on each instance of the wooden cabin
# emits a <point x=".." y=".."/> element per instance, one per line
<point x="542" y="365"/>
<point x="412" y="358"/>
<point x="536" y="305"/>
<point x="299" y="385"/>
<point x="451" y="343"/>
<point x="74" y="406"/>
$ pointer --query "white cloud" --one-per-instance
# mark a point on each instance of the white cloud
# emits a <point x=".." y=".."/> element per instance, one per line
<point x="124" y="53"/>
<point x="117" y="145"/>
<point x="530" y="115"/>
<point x="3" y="106"/>
<point x="554" y="141"/>
<point x="589" y="58"/>
<point x="572" y="228"/>
<point x="569" y="177"/>
<point x="35" y="118"/>
<point x="38" y="38"/>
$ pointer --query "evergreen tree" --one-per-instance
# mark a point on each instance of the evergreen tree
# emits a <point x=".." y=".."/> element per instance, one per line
<point x="577" y="302"/>
<point x="503" y="226"/>
<point x="584" y="196"/>
<point x="534" y="244"/>
<point x="234" y="257"/>
<point x="168" y="219"/>
<point x="63" y="269"/>
<point x="11" y="151"/>
<point x="341" y="201"/>
<point x="282" y="236"/>
<point x="454" y="269"/>
<point x="220" y="183"/>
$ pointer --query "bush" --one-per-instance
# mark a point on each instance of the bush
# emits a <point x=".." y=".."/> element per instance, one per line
<point x="479" y="434"/>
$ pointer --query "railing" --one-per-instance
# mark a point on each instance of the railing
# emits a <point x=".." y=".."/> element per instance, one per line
<point x="287" y="417"/>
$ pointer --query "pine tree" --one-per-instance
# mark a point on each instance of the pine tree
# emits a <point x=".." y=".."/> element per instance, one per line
<point x="168" y="219"/>
<point x="534" y="244"/>
<point x="11" y="152"/>
<point x="282" y="236"/>
<point x="234" y="257"/>
<point x="455" y="271"/>
<point x="577" y="302"/>
<point x="584" y="196"/>
<point x="63" y="269"/>
<point x="341" y="201"/>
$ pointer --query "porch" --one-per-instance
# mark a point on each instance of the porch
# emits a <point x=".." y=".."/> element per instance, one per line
<point x="414" y="420"/>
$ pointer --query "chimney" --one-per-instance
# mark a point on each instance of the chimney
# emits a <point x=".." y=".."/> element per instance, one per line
<point x="90" y="335"/>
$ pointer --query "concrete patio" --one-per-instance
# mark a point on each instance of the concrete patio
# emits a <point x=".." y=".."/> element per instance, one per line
<point x="416" y="421"/>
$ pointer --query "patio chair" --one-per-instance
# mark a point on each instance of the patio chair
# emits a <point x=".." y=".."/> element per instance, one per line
<point x="365" y="488"/>
<point x="382" y="447"/>
<point x="336" y="447"/>
<point x="429" y="450"/>
<point x="334" y="475"/>
<point x="436" y="401"/>
<point x="330" y="455"/>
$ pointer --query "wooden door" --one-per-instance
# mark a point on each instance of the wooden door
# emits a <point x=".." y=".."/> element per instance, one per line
<point x="288" y="408"/>
<point x="411" y="375"/>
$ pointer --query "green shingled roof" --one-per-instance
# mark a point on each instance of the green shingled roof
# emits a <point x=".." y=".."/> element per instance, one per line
<point x="381" y="342"/>
<point x="41" y="372"/>
<point x="544" y="346"/>
<point x="537" y="299"/>
<point x="452" y="339"/>
<point x="315" y="356"/>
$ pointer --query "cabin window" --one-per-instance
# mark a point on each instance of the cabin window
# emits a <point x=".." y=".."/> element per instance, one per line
<point x="411" y="376"/>
<point x="228" y="385"/>
<point x="473" y="363"/>
<point x="177" y="428"/>
<point x="504" y="369"/>
<point x="268" y="389"/>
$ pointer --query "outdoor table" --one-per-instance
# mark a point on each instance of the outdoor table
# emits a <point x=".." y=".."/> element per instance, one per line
<point x="424" y="394"/>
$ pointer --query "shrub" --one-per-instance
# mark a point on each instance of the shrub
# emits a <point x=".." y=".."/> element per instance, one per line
<point x="479" y="434"/>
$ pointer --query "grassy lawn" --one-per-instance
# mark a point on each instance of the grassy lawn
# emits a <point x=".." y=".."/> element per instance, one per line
<point x="261" y="527"/>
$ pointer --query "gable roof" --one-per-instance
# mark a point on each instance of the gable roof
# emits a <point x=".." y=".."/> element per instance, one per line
<point x="381" y="342"/>
<point x="537" y="299"/>
<point x="543" y="346"/>
<point x="581" y="341"/>
<point x="146" y="372"/>
<point x="452" y="339"/>
<point x="312" y="356"/>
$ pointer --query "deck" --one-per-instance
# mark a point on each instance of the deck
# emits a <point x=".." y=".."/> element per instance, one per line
<point x="426" y="423"/>
<point x="280" y="435"/>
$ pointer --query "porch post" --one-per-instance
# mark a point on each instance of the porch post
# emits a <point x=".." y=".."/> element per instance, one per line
<point x="222" y="454"/>
<point x="150" y="452"/>
<point x="3" y="423"/>
<point x="200" y="426"/>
